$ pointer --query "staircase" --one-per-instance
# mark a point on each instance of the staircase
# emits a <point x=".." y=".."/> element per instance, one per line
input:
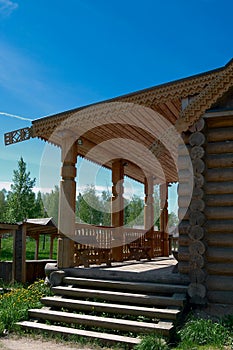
<point x="109" y="310"/>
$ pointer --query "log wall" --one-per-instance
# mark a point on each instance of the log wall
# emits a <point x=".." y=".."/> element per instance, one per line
<point x="206" y="216"/>
<point x="219" y="209"/>
<point x="192" y="245"/>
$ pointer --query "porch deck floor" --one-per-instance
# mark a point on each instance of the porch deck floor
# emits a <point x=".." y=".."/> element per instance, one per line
<point x="161" y="269"/>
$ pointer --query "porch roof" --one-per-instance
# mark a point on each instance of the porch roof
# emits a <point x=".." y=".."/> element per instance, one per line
<point x="141" y="128"/>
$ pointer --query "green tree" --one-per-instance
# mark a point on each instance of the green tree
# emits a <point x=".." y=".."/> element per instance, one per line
<point x="21" y="198"/>
<point x="51" y="203"/>
<point x="172" y="219"/>
<point x="106" y="199"/>
<point x="39" y="206"/>
<point x="89" y="207"/>
<point x="134" y="212"/>
<point x="3" y="204"/>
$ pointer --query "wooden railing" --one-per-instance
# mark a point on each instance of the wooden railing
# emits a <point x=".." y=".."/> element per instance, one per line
<point x="93" y="244"/>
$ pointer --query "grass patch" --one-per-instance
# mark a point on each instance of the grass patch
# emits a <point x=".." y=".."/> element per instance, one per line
<point x="14" y="305"/>
<point x="204" y="334"/>
<point x="6" y="252"/>
<point x="152" y="342"/>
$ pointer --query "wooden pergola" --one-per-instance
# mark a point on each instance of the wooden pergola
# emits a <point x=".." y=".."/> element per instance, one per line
<point x="164" y="135"/>
<point x="33" y="228"/>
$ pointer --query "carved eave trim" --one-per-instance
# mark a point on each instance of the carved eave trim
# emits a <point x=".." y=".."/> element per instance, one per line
<point x="150" y="97"/>
<point x="209" y="95"/>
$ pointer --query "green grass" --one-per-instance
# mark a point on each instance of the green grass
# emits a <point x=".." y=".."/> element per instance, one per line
<point x="6" y="252"/>
<point x="14" y="305"/>
<point x="199" y="333"/>
<point x="196" y="334"/>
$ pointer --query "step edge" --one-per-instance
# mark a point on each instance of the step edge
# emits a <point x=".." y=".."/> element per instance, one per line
<point x="91" y="334"/>
<point x="108" y="305"/>
<point x="100" y="319"/>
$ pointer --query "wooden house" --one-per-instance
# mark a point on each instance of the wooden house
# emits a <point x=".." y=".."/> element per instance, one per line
<point x="180" y="132"/>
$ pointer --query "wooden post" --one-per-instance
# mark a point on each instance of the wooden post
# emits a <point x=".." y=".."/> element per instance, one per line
<point x="67" y="203"/>
<point x="51" y="246"/>
<point x="149" y="212"/>
<point x="37" y="238"/>
<point x="164" y="217"/>
<point x="19" y="255"/>
<point x="117" y="208"/>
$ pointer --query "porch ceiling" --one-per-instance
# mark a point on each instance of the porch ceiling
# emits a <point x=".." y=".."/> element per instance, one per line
<point x="132" y="126"/>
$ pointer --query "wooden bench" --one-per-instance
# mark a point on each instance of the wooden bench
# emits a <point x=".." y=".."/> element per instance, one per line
<point x="139" y="248"/>
<point x="89" y="251"/>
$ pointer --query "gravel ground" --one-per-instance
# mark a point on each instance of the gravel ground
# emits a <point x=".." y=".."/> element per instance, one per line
<point x="38" y="343"/>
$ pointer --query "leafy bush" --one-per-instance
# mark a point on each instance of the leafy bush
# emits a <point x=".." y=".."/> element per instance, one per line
<point x="15" y="304"/>
<point x="203" y="332"/>
<point x="152" y="342"/>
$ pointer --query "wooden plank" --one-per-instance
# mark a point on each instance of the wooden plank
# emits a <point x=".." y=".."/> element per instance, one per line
<point x="219" y="200"/>
<point x="219" y="187"/>
<point x="222" y="297"/>
<point x="220" y="134"/>
<point x="131" y="298"/>
<point x="218" y="213"/>
<point x="221" y="269"/>
<point x="220" y="120"/>
<point x="134" y="286"/>
<point x="8" y="227"/>
<point x="219" y="147"/>
<point x="75" y="304"/>
<point x="219" y="239"/>
<point x="219" y="160"/>
<point x="219" y="283"/>
<point x="223" y="226"/>
<point x="219" y="174"/>
<point x="219" y="254"/>
<point x="98" y="321"/>
<point x="80" y="332"/>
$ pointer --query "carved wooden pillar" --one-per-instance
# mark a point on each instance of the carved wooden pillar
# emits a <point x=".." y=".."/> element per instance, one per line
<point x="67" y="204"/>
<point x="117" y="208"/>
<point x="149" y="211"/>
<point x="164" y="217"/>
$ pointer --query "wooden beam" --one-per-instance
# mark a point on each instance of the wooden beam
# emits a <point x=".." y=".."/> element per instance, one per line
<point x="149" y="211"/>
<point x="117" y="208"/>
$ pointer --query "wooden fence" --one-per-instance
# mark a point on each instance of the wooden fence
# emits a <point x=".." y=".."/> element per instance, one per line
<point x="93" y="244"/>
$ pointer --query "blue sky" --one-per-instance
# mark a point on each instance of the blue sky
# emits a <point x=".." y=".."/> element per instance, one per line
<point x="56" y="55"/>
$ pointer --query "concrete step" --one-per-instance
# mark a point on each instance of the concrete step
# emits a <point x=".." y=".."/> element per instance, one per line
<point x="98" y="307"/>
<point x="125" y="325"/>
<point x="125" y="285"/>
<point x="79" y="332"/>
<point x="120" y="297"/>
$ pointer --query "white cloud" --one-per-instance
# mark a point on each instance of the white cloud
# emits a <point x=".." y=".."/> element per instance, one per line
<point x="6" y="185"/>
<point x="15" y="116"/>
<point x="7" y="7"/>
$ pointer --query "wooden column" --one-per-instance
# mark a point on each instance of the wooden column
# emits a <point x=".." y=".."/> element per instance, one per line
<point x="37" y="238"/>
<point x="149" y="212"/>
<point x="117" y="208"/>
<point x="67" y="204"/>
<point x="51" y="246"/>
<point x="19" y="255"/>
<point x="164" y="217"/>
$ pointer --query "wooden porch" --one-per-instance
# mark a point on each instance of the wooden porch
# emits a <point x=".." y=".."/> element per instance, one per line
<point x="95" y="245"/>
